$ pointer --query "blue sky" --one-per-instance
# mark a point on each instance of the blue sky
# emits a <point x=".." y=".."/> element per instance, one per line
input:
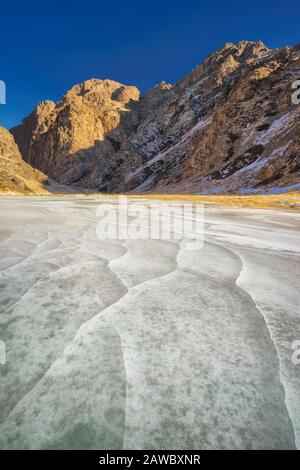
<point x="46" y="49"/>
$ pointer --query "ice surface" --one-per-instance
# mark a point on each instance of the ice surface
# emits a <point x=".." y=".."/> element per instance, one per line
<point x="142" y="344"/>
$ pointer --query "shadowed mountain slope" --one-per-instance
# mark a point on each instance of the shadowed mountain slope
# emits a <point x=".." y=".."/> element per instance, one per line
<point x="228" y="126"/>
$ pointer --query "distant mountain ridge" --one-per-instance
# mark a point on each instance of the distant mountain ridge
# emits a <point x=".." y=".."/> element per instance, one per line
<point x="228" y="126"/>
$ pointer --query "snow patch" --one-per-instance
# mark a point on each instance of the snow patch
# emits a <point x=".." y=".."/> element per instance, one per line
<point x="283" y="189"/>
<point x="279" y="126"/>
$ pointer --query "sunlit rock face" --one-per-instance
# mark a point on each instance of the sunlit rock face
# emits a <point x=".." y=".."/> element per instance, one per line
<point x="76" y="141"/>
<point x="228" y="126"/>
<point x="16" y="176"/>
<point x="142" y="344"/>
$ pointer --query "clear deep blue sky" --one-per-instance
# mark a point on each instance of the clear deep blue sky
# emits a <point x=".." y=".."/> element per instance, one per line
<point x="47" y="49"/>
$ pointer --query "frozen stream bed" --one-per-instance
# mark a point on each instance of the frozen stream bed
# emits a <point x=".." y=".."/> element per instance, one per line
<point x="142" y="344"/>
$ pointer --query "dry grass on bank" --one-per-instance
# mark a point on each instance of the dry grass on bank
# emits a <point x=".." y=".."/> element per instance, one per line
<point x="271" y="201"/>
<point x="283" y="201"/>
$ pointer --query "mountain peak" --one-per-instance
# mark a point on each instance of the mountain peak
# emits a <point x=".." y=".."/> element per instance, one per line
<point x="243" y="49"/>
<point x="100" y="90"/>
<point x="218" y="128"/>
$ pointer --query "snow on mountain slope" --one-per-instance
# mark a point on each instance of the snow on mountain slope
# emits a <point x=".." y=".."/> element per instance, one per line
<point x="228" y="126"/>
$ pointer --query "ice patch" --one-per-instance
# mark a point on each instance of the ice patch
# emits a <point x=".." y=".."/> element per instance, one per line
<point x="113" y="345"/>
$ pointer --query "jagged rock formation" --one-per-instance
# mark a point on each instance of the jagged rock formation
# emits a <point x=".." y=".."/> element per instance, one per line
<point x="228" y="126"/>
<point x="16" y="176"/>
<point x="76" y="142"/>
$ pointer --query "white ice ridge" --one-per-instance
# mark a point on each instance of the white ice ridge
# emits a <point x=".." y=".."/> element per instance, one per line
<point x="143" y="344"/>
<point x="290" y="392"/>
<point x="282" y="320"/>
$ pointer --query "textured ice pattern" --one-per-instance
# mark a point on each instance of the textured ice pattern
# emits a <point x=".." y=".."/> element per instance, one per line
<point x="142" y="344"/>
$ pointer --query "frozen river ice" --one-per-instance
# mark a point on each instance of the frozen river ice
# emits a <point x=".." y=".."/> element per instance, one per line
<point x="142" y="344"/>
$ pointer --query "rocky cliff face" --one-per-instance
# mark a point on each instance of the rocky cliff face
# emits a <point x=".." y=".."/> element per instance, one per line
<point x="228" y="126"/>
<point x="80" y="140"/>
<point x="16" y="176"/>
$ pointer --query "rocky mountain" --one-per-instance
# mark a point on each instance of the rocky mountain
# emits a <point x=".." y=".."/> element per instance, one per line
<point x="16" y="176"/>
<point x="228" y="126"/>
<point x="80" y="140"/>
